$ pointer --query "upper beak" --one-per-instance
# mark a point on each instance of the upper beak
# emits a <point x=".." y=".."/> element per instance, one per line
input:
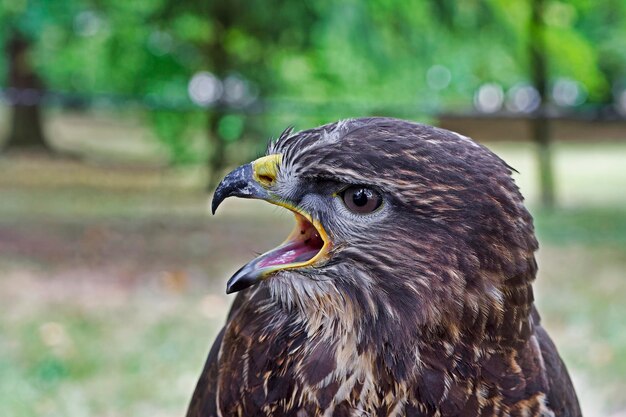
<point x="239" y="183"/>
<point x="248" y="181"/>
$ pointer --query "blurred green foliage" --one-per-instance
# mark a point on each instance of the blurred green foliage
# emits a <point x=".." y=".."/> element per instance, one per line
<point x="310" y="62"/>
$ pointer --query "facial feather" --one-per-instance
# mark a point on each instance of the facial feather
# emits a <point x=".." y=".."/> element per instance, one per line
<point x="452" y="231"/>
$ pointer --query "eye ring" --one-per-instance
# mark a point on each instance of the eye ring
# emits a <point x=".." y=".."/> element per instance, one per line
<point x="361" y="199"/>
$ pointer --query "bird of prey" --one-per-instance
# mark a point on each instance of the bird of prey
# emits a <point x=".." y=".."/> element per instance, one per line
<point x="405" y="288"/>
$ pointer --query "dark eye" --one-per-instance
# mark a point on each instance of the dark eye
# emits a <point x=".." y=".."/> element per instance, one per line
<point x="361" y="200"/>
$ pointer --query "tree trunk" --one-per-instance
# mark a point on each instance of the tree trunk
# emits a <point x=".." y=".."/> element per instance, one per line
<point x="24" y="93"/>
<point x="220" y="62"/>
<point x="540" y="127"/>
<point x="217" y="159"/>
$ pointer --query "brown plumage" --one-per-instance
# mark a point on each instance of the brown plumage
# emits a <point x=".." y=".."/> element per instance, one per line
<point x="405" y="289"/>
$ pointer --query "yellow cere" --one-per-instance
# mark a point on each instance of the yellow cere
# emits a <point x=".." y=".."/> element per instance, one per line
<point x="266" y="169"/>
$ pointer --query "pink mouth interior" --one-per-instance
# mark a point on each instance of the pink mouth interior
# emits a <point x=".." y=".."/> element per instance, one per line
<point x="304" y="243"/>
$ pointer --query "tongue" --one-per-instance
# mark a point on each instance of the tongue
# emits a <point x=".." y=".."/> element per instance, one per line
<point x="292" y="252"/>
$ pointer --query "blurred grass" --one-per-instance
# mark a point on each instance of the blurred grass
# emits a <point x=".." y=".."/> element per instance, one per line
<point x="112" y="279"/>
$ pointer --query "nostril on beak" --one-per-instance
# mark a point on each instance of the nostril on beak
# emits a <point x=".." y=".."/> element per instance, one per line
<point x="266" y="169"/>
<point x="266" y="180"/>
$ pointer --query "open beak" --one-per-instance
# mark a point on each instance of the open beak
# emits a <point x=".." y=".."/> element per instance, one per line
<point x="306" y="246"/>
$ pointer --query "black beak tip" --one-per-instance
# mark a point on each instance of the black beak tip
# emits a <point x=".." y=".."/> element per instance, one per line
<point x="219" y="195"/>
<point x="238" y="285"/>
<point x="230" y="289"/>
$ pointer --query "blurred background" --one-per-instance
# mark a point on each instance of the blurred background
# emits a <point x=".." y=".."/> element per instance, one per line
<point x="118" y="117"/>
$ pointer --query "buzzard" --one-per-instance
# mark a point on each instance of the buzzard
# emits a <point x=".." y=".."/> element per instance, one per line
<point x="405" y="288"/>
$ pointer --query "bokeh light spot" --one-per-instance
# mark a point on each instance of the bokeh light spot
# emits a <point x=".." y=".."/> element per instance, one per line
<point x="489" y="98"/>
<point x="568" y="93"/>
<point x="438" y="77"/>
<point x="523" y="98"/>
<point x="204" y="88"/>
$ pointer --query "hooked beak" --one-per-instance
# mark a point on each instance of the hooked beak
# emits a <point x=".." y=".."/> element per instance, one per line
<point x="306" y="246"/>
<point x="239" y="183"/>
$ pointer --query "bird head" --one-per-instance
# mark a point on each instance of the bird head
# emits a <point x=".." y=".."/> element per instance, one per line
<point x="397" y="223"/>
